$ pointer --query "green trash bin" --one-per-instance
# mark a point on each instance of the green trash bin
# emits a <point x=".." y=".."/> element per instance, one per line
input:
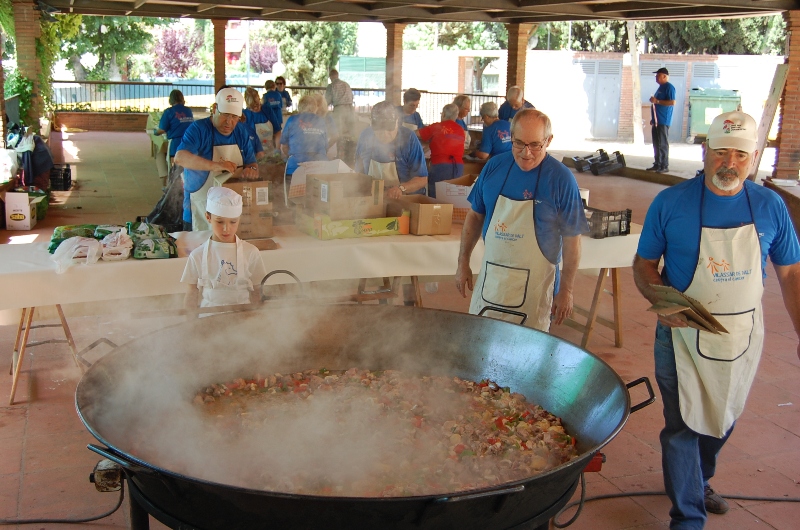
<point x="705" y="104"/>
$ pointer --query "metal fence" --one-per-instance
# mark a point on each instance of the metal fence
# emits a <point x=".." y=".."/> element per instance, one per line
<point x="144" y="97"/>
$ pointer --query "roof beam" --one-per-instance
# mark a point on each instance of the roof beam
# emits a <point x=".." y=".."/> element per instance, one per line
<point x="202" y="8"/>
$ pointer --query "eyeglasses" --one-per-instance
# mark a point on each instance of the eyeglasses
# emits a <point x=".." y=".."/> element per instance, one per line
<point x="532" y="147"/>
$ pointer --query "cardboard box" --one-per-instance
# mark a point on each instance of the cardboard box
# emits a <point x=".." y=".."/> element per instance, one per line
<point x="320" y="167"/>
<point x="21" y="210"/>
<point x="256" y="219"/>
<point x="322" y="227"/>
<point x="343" y="196"/>
<point x="455" y="192"/>
<point x="429" y="217"/>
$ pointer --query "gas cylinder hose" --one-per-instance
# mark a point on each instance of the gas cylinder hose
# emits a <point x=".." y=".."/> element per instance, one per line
<point x="585" y="499"/>
<point x="70" y="521"/>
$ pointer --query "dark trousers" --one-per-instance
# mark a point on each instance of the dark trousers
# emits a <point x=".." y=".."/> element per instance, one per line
<point x="661" y="145"/>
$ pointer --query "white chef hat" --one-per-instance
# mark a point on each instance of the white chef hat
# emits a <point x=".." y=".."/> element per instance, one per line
<point x="733" y="130"/>
<point x="229" y="101"/>
<point x="224" y="202"/>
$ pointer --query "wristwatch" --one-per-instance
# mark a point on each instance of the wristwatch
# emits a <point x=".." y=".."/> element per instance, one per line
<point x="402" y="188"/>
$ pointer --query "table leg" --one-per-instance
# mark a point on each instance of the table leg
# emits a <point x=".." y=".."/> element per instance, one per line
<point x="362" y="286"/>
<point x="16" y="342"/>
<point x="592" y="316"/>
<point x="615" y="293"/>
<point x="68" y="334"/>
<point x="21" y="358"/>
<point x="417" y="294"/>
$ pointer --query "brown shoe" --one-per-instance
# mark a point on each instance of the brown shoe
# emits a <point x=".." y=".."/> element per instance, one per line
<point x="714" y="502"/>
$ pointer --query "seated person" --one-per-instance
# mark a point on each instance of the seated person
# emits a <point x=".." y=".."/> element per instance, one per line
<point x="408" y="111"/>
<point x="224" y="270"/>
<point x="447" y="148"/>
<point x="496" y="137"/>
<point x="305" y="137"/>
<point x="392" y="153"/>
<point x="513" y="104"/>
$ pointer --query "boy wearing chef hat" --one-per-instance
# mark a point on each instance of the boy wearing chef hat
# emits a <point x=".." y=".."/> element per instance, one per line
<point x="224" y="269"/>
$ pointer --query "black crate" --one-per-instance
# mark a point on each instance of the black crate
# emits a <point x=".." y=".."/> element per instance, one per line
<point x="60" y="178"/>
<point x="608" y="224"/>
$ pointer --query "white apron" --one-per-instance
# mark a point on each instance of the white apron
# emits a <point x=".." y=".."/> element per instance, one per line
<point x="386" y="171"/>
<point x="198" y="199"/>
<point x="215" y="293"/>
<point x="715" y="371"/>
<point x="515" y="275"/>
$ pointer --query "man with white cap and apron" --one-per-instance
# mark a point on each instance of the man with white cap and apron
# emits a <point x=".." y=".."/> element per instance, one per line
<point x="527" y="207"/>
<point x="211" y="146"/>
<point x="392" y="153"/>
<point x="224" y="269"/>
<point x="714" y="233"/>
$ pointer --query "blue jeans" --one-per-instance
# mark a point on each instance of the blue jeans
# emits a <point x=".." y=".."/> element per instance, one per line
<point x="688" y="459"/>
<point x="661" y="145"/>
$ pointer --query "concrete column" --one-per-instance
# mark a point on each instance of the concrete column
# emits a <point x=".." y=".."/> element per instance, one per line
<point x="27" y="30"/>
<point x="3" y="128"/>
<point x="219" y="52"/>
<point x="787" y="158"/>
<point x="635" y="99"/>
<point x="517" y="50"/>
<point x="394" y="61"/>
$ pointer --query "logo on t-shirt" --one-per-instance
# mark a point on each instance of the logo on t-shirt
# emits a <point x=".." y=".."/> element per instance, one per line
<point x="308" y="128"/>
<point x="504" y="136"/>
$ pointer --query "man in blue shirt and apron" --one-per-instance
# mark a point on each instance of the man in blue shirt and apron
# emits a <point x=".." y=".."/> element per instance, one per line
<point x="527" y="207"/>
<point x="714" y="233"/>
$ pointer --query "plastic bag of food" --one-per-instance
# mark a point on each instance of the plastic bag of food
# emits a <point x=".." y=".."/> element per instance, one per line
<point x="76" y="250"/>
<point x="155" y="248"/>
<point x="67" y="231"/>
<point x="103" y="230"/>
<point x="117" y="246"/>
<point x="142" y="230"/>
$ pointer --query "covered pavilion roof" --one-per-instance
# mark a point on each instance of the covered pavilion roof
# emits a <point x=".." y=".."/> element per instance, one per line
<point x="411" y="11"/>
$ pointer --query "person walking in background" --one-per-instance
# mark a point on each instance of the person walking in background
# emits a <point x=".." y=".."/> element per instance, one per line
<point x="662" y="103"/>
<point x="447" y="148"/>
<point x="408" y="111"/>
<point x="174" y="122"/>
<point x="280" y="87"/>
<point x="514" y="103"/>
<point x="339" y="94"/>
<point x="496" y="137"/>
<point x="714" y="233"/>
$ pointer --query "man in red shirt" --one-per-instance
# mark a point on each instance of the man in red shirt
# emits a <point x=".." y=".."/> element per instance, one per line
<point x="447" y="148"/>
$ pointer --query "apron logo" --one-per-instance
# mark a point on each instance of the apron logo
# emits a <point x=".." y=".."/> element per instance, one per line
<point x="501" y="232"/>
<point x="721" y="271"/>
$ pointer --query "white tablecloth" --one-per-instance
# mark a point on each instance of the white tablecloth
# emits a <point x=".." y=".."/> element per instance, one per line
<point x="28" y="276"/>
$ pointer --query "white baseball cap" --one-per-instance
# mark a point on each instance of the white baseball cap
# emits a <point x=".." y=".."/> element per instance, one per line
<point x="224" y="202"/>
<point x="733" y="130"/>
<point x="230" y="101"/>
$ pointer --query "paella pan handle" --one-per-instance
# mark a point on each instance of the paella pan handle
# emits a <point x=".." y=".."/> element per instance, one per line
<point x="523" y="316"/>
<point x="493" y="493"/>
<point x="435" y="506"/>
<point x="129" y="466"/>
<point x="647" y="401"/>
<point x="280" y="271"/>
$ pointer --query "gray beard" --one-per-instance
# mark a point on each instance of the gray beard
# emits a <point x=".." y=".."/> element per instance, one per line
<point x="725" y="185"/>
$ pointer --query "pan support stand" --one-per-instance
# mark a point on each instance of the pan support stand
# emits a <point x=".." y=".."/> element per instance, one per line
<point x="391" y="288"/>
<point x="21" y="343"/>
<point x="591" y="315"/>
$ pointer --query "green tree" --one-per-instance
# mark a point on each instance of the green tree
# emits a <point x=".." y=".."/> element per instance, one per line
<point x="590" y="36"/>
<point x="739" y="36"/>
<point x="112" y="40"/>
<point x="459" y="36"/>
<point x="309" y="50"/>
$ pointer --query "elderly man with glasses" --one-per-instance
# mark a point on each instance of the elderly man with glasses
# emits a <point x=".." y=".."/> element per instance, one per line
<point x="527" y="208"/>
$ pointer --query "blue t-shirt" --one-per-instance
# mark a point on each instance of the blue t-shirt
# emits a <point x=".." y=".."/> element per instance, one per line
<point x="307" y="138"/>
<point x="664" y="112"/>
<point x="672" y="226"/>
<point x="558" y="210"/>
<point x="274" y="101"/>
<point x="200" y="139"/>
<point x="507" y="112"/>
<point x="462" y="123"/>
<point x="174" y="122"/>
<point x="286" y="97"/>
<point x="496" y="138"/>
<point x="405" y="151"/>
<point x="252" y="119"/>
<point x="413" y="119"/>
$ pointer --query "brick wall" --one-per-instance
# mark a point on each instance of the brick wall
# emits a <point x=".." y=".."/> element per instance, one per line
<point x="625" y="123"/>
<point x="27" y="30"/>
<point x="394" y="61"/>
<point x="787" y="159"/>
<point x="103" y="121"/>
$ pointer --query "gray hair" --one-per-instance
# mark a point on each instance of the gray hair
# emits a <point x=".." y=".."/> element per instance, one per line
<point x="514" y="93"/>
<point x="449" y="112"/>
<point x="460" y="99"/>
<point x="489" y="109"/>
<point x="307" y="103"/>
<point x="412" y="94"/>
<point x="384" y="112"/>
<point x="533" y="114"/>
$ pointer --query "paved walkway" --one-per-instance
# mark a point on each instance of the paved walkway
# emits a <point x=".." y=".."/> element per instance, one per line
<point x="44" y="463"/>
